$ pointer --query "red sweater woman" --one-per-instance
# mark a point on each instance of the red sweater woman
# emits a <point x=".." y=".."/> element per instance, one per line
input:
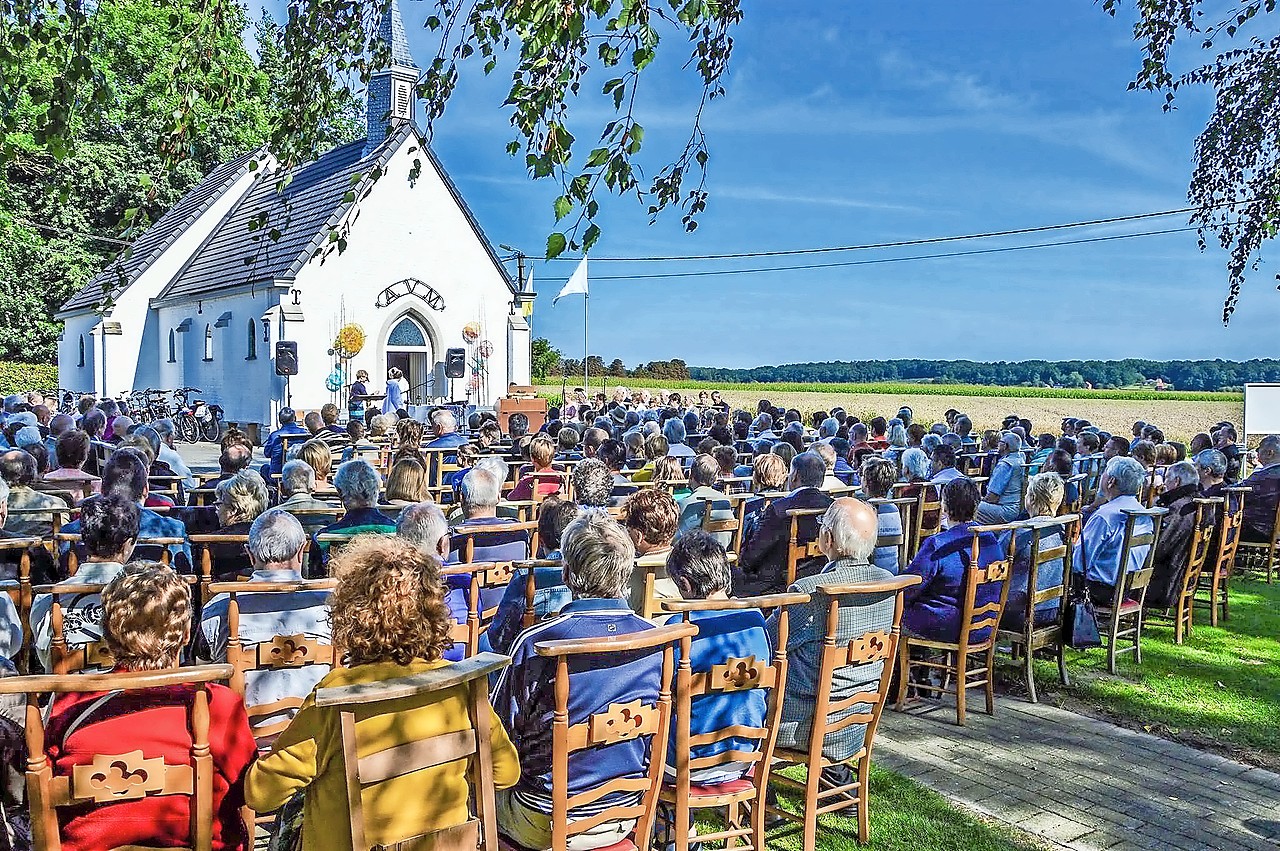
<point x="145" y="624"/>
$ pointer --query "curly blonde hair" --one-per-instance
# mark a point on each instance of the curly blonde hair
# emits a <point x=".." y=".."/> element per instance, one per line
<point x="389" y="605"/>
<point x="146" y="617"/>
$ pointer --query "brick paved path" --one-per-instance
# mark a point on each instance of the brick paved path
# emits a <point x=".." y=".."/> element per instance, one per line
<point x="1081" y="783"/>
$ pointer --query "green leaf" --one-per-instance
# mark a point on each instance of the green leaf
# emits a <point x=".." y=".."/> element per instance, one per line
<point x="563" y="206"/>
<point x="556" y="244"/>
<point x="589" y="238"/>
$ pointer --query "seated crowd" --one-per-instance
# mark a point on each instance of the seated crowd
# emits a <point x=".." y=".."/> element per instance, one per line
<point x="610" y="508"/>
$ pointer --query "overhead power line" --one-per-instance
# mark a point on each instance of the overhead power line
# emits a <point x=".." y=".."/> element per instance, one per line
<point x="901" y="244"/>
<point x="878" y="260"/>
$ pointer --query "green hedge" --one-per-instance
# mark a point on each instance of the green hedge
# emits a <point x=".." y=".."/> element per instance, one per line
<point x="25" y="377"/>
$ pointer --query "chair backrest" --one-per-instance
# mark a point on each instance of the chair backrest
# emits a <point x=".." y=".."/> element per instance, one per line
<point x="928" y="515"/>
<point x="64" y="657"/>
<point x="164" y="555"/>
<point x="205" y="544"/>
<point x="364" y="774"/>
<point x="539" y="491"/>
<point x="280" y="652"/>
<point x="1207" y="510"/>
<point x="1227" y="536"/>
<point x="20" y="590"/>
<point x="731" y="526"/>
<point x="906" y="507"/>
<point x="802" y="543"/>
<point x="616" y="723"/>
<point x="980" y="621"/>
<point x="731" y="676"/>
<point x="1038" y="556"/>
<point x="531" y="586"/>
<point x="1138" y="579"/>
<point x="466" y="535"/>
<point x="123" y="776"/>
<point x="480" y="575"/>
<point x="1073" y="506"/>
<point x="878" y="646"/>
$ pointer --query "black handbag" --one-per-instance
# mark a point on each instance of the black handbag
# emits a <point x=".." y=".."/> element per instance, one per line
<point x="1082" y="621"/>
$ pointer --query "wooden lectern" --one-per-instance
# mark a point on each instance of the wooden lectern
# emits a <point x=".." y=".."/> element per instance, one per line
<point x="523" y="400"/>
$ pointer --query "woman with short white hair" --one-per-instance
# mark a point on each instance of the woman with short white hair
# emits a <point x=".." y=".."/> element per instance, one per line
<point x="1044" y="497"/>
<point x="240" y="500"/>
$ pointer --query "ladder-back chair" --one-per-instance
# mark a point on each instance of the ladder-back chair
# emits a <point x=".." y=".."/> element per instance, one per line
<point x="877" y="646"/>
<point x="157" y="549"/>
<point x="1183" y="608"/>
<point x="978" y="628"/>
<point x="66" y="657"/>
<point x="1215" y="578"/>
<point x="477" y="577"/>
<point x="802" y="543"/>
<point x="464" y="542"/>
<point x="20" y="591"/>
<point x="355" y="703"/>
<point x="531" y="585"/>
<point x="615" y="723"/>
<point x="280" y="652"/>
<point x="906" y="508"/>
<point x="1122" y="619"/>
<point x="725" y="529"/>
<point x="1039" y="631"/>
<point x="1260" y="556"/>
<point x="126" y="776"/>
<point x="752" y="746"/>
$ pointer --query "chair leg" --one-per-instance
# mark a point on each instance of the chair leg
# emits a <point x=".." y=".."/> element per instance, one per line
<point x="1027" y="659"/>
<point x="1062" y="662"/>
<point x="1111" y="647"/>
<point x="962" y="665"/>
<point x="990" y="687"/>
<point x="1177" y="624"/>
<point x="1137" y="638"/>
<point x="904" y="673"/>
<point x="733" y="820"/>
<point x="1226" y="597"/>
<point x="1213" y="602"/>
<point x="864" y="799"/>
<point x="811" y="802"/>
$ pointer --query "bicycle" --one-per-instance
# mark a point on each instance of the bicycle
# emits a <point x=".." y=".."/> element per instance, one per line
<point x="184" y="421"/>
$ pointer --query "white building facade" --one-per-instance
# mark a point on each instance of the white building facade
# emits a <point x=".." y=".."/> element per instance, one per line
<point x="250" y="258"/>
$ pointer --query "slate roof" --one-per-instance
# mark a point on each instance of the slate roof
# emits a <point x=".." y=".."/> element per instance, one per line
<point x="313" y="197"/>
<point x="151" y="243"/>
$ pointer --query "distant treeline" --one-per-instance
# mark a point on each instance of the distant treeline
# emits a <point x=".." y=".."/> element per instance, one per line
<point x="1204" y="375"/>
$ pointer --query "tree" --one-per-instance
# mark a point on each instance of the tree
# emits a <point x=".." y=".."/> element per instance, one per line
<point x="617" y="369"/>
<point x="61" y="212"/>
<point x="331" y="45"/>
<point x="544" y="359"/>
<point x="1235" y="181"/>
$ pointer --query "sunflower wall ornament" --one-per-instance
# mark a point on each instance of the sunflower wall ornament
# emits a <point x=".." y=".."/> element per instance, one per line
<point x="349" y="342"/>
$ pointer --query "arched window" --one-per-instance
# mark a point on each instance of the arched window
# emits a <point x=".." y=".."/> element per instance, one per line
<point x="407" y="333"/>
<point x="208" y="342"/>
<point x="173" y="348"/>
<point x="253" y="341"/>
<point x="82" y="351"/>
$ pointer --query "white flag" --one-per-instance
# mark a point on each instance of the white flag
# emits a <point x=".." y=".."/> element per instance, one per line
<point x="576" y="284"/>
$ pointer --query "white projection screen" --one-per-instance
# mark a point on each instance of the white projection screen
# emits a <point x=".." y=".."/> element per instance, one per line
<point x="1261" y="409"/>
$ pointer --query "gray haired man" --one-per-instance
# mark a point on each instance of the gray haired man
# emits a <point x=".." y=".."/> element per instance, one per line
<point x="276" y="540"/>
<point x="1097" y="553"/>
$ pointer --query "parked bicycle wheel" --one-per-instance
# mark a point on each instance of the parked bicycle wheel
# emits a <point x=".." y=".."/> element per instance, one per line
<point x="212" y="426"/>
<point x="184" y="426"/>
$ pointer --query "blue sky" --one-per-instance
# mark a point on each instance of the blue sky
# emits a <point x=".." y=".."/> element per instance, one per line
<point x="849" y="123"/>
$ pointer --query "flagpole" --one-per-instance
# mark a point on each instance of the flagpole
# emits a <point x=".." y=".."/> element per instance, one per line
<point x="586" y="325"/>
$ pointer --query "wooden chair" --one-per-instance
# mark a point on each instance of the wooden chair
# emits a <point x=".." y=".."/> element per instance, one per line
<point x="731" y="526"/>
<point x="125" y="776"/>
<point x="531" y="586"/>
<point x="1215" y="579"/>
<point x="928" y="513"/>
<point x="170" y="486"/>
<point x="1033" y="636"/>
<point x="280" y="652"/>
<point x="163" y="544"/>
<point x="467" y="536"/>
<point x="906" y="507"/>
<point x="877" y="647"/>
<point x="357" y="702"/>
<point x="1122" y="620"/>
<point x="1260" y="556"/>
<point x="802" y="544"/>
<point x="58" y="517"/>
<point x="66" y="658"/>
<point x="480" y="576"/>
<point x="203" y="545"/>
<point x="974" y="619"/>
<point x="732" y="676"/>
<point x="1074" y="506"/>
<point x="1183" y="607"/>
<point x="20" y="590"/>
<point x="615" y="723"/>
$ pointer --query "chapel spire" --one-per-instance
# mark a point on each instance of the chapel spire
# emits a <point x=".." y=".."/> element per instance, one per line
<point x="391" y="96"/>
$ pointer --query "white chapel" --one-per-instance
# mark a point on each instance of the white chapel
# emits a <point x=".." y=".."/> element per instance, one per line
<point x="206" y="292"/>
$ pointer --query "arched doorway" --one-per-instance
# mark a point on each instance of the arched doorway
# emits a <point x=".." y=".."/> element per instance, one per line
<point x="409" y="348"/>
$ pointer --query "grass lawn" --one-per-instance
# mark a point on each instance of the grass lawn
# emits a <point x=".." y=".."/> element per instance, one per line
<point x="1220" y="690"/>
<point x="905" y="816"/>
